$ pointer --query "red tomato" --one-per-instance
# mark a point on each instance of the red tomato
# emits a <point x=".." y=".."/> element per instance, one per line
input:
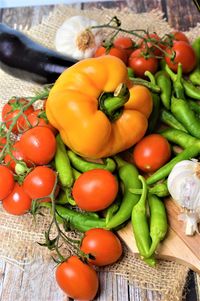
<point x="152" y="152"/>
<point x="77" y="279"/>
<point x="17" y="202"/>
<point x="2" y="142"/>
<point x="139" y="64"/>
<point x="103" y="244"/>
<point x="39" y="183"/>
<point x="125" y="43"/>
<point x="38" y="145"/>
<point x="153" y="39"/>
<point x="11" y="109"/>
<point x="95" y="190"/>
<point x="120" y="53"/>
<point x="36" y="118"/>
<point x="7" y="182"/>
<point x="17" y="153"/>
<point x="180" y="36"/>
<point x="184" y="54"/>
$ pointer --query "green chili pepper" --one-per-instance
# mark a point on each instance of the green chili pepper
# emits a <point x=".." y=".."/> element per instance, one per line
<point x="163" y="172"/>
<point x="158" y="222"/>
<point x="79" y="221"/>
<point x="62" y="164"/>
<point x="76" y="173"/>
<point x="164" y="82"/>
<point x="160" y="189"/>
<point x="195" y="75"/>
<point x="184" y="114"/>
<point x="191" y="90"/>
<point x="177" y="81"/>
<point x="154" y="116"/>
<point x="151" y="86"/>
<point x="112" y="209"/>
<point x="82" y="165"/>
<point x="128" y="174"/>
<point x="178" y="137"/>
<point x="61" y="199"/>
<point x="140" y="222"/>
<point x="195" y="106"/>
<point x="170" y="120"/>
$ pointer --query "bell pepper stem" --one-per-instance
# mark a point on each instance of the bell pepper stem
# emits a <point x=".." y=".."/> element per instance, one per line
<point x="112" y="103"/>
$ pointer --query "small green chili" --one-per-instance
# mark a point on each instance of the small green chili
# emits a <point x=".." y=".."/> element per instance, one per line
<point x="62" y="164"/>
<point x="140" y="222"/>
<point x="158" y="222"/>
<point x="128" y="174"/>
<point x="164" y="82"/>
<point x="82" y="165"/>
<point x="169" y="119"/>
<point x="178" y="137"/>
<point x="184" y="114"/>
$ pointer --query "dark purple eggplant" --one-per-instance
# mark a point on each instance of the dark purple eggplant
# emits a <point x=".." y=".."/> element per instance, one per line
<point x="25" y="58"/>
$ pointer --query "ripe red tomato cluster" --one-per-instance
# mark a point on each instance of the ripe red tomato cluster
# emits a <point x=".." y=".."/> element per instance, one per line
<point x="33" y="148"/>
<point x="146" y="54"/>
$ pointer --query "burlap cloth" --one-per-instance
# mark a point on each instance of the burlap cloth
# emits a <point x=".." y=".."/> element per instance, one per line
<point x="20" y="234"/>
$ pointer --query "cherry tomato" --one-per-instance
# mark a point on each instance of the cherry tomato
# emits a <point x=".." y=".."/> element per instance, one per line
<point x="184" y="54"/>
<point x="120" y="53"/>
<point x="103" y="244"/>
<point x="154" y="39"/>
<point x="39" y="183"/>
<point x="139" y="64"/>
<point x="2" y="142"/>
<point x="12" y="108"/>
<point x="77" y="279"/>
<point x="95" y="190"/>
<point x="17" y="202"/>
<point x="38" y="145"/>
<point x="7" y="182"/>
<point x="180" y="36"/>
<point x="18" y="155"/>
<point x="125" y="43"/>
<point x="152" y="152"/>
<point x="36" y="118"/>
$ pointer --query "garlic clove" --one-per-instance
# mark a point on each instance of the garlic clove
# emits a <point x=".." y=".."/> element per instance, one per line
<point x="191" y="220"/>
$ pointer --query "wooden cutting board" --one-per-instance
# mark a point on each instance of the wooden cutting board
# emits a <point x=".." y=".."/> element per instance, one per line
<point x="176" y="246"/>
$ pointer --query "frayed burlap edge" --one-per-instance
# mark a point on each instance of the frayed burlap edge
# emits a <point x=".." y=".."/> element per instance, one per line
<point x="19" y="235"/>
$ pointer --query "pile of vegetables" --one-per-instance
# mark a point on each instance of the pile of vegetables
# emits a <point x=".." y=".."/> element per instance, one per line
<point x="102" y="150"/>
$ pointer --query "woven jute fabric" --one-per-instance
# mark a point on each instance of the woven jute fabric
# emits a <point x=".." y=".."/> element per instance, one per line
<point x="19" y="235"/>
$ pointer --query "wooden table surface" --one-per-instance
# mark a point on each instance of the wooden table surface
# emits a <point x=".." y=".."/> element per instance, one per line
<point x="36" y="282"/>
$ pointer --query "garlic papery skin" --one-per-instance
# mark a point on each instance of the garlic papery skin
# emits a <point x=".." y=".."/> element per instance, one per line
<point x="75" y="38"/>
<point x="184" y="186"/>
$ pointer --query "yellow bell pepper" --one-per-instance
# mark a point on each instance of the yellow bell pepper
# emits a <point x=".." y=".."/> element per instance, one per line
<point x="96" y="109"/>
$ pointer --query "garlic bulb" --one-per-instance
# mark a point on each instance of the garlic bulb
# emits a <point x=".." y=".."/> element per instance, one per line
<point x="184" y="186"/>
<point x="76" y="39"/>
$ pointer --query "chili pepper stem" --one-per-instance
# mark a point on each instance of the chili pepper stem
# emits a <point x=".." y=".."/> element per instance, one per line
<point x="139" y="81"/>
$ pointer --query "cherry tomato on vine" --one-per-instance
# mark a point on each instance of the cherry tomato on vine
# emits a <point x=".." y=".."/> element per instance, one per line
<point x="140" y="64"/>
<point x="95" y="190"/>
<point x="7" y="182"/>
<point x="118" y="52"/>
<point x="38" y="145"/>
<point x="36" y="118"/>
<point x="77" y="279"/>
<point x="152" y="152"/>
<point x="103" y="244"/>
<point x="17" y="202"/>
<point x="184" y="54"/>
<point x="150" y="42"/>
<point x="39" y="183"/>
<point x="2" y="142"/>
<point x="180" y="36"/>
<point x="12" y="108"/>
<point x="17" y="154"/>
<point x="125" y="43"/>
